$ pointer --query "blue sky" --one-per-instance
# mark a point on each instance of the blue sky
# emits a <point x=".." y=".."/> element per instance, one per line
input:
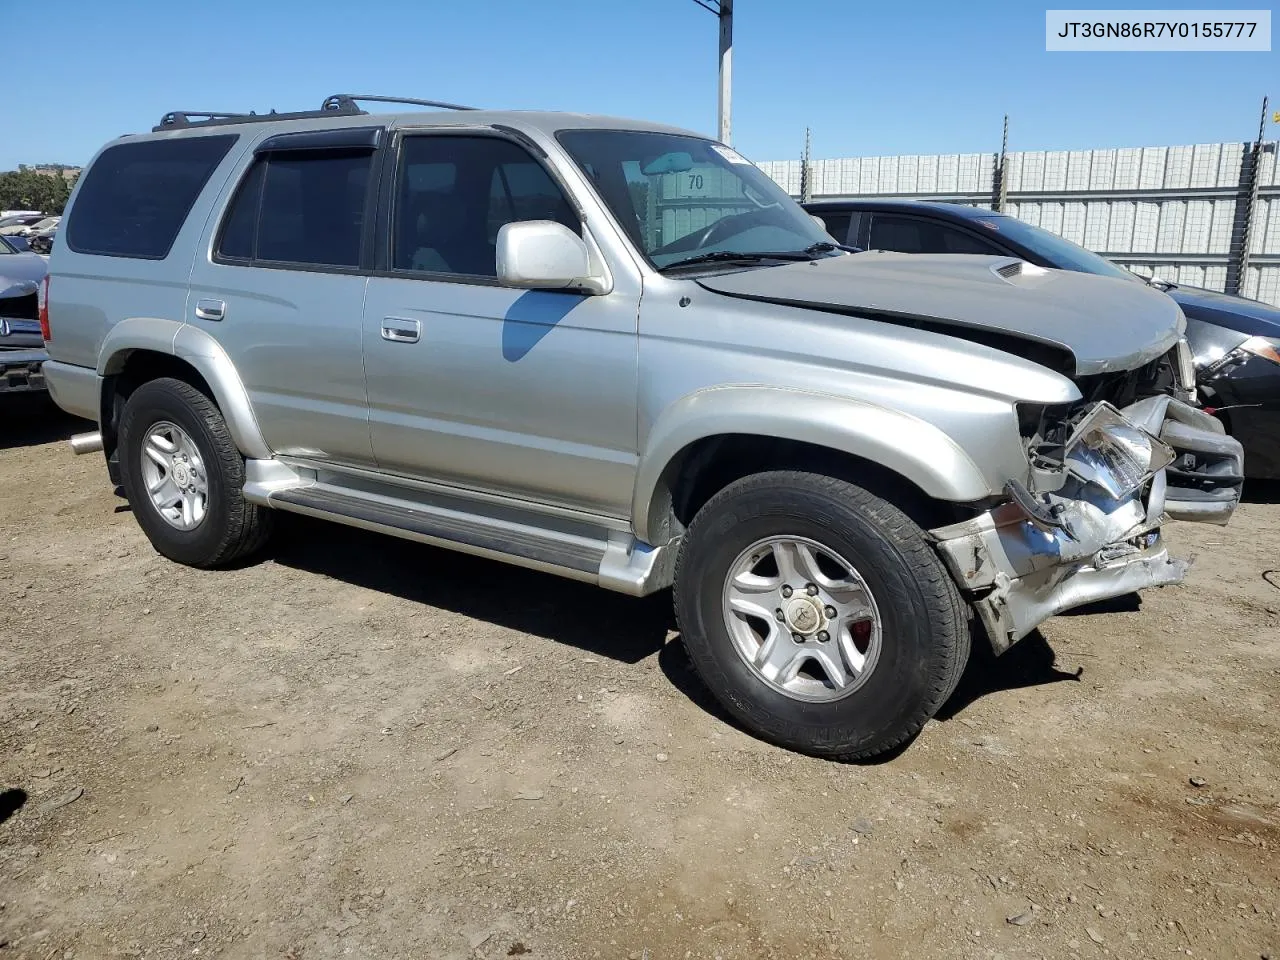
<point x="911" y="76"/>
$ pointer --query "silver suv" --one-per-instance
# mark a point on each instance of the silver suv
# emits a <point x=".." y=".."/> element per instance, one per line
<point x="618" y="352"/>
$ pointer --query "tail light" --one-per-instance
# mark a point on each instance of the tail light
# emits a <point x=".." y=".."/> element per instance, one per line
<point x="42" y="308"/>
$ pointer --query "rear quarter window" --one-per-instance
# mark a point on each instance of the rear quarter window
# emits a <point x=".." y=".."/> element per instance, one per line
<point x="136" y="196"/>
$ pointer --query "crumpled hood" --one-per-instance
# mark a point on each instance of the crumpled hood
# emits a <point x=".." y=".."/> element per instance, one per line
<point x="1104" y="323"/>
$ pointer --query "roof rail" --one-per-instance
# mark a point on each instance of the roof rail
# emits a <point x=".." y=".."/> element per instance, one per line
<point x="340" y="104"/>
<point x="341" y="100"/>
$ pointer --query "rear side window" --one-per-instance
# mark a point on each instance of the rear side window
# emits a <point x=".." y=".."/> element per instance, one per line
<point x="900" y="234"/>
<point x="913" y="235"/>
<point x="136" y="196"/>
<point x="303" y="209"/>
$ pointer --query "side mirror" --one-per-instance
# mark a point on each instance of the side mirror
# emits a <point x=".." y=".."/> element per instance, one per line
<point x="822" y="224"/>
<point x="543" y="254"/>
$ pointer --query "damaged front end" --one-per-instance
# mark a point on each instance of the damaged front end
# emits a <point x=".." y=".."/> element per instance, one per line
<point x="1086" y="525"/>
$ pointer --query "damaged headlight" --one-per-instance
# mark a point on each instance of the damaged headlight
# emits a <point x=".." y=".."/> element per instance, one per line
<point x="1111" y="452"/>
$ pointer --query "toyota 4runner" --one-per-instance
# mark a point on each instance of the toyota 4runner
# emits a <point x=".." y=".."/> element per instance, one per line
<point x="618" y="352"/>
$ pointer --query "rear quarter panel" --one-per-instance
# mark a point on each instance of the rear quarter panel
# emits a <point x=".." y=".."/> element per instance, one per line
<point x="89" y="293"/>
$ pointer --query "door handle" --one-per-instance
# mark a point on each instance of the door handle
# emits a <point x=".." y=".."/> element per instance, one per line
<point x="210" y="309"/>
<point x="401" y="330"/>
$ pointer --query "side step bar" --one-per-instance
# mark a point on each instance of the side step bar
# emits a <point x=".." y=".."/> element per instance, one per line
<point x="610" y="559"/>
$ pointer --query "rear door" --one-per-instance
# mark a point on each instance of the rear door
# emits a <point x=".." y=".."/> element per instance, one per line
<point x="281" y="285"/>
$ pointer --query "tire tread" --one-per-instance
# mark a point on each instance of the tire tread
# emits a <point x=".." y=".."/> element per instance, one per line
<point x="248" y="526"/>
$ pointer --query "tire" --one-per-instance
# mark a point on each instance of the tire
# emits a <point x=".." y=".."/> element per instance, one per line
<point x="230" y="527"/>
<point x="916" y="634"/>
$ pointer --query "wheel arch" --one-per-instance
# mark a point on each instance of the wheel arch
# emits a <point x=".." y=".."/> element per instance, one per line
<point x="708" y="439"/>
<point x="145" y="348"/>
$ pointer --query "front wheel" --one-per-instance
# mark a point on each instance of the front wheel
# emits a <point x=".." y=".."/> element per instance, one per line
<point x="818" y="614"/>
<point x="183" y="477"/>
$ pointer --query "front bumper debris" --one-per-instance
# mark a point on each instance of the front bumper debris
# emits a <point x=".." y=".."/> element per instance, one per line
<point x="1206" y="479"/>
<point x="1017" y="570"/>
<point x="22" y="371"/>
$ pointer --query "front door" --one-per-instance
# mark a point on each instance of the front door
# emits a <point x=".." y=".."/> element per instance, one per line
<point x="526" y="393"/>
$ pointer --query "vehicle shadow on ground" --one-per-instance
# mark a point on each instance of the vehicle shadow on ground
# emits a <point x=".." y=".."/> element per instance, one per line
<point x="579" y="615"/>
<point x="11" y="802"/>
<point x="30" y="420"/>
<point x="1030" y="662"/>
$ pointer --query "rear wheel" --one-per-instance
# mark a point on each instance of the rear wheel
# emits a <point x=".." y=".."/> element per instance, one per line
<point x="184" y="476"/>
<point x="818" y="614"/>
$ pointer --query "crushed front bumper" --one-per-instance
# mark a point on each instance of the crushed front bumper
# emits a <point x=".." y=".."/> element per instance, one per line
<point x="22" y="371"/>
<point x="1017" y="571"/>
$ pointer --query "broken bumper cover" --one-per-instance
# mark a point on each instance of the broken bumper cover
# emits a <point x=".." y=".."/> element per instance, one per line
<point x="1206" y="479"/>
<point x="1018" y="570"/>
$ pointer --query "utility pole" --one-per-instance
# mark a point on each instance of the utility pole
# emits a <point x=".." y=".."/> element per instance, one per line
<point x="726" y="71"/>
<point x="723" y="9"/>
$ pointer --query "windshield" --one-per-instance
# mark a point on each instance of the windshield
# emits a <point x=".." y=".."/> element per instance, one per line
<point x="680" y="197"/>
<point x="1055" y="250"/>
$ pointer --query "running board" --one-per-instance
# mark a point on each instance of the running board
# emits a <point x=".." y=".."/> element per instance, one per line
<point x="608" y="558"/>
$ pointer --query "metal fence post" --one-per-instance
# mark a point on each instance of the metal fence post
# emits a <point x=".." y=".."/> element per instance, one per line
<point x="1250" y="178"/>
<point x="1000" y="195"/>
<point x="806" y="170"/>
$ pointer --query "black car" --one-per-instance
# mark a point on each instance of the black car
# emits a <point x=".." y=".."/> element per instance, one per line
<point x="1236" y="341"/>
<point x="43" y="242"/>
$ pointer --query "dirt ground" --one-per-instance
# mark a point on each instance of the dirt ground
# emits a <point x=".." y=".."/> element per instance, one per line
<point x="359" y="747"/>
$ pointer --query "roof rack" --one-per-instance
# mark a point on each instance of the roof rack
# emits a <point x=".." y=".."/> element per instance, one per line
<point x="340" y="104"/>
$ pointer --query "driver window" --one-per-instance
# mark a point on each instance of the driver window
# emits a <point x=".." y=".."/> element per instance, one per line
<point x="453" y="195"/>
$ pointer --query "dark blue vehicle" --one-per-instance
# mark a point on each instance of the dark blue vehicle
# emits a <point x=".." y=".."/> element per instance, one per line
<point x="1235" y="341"/>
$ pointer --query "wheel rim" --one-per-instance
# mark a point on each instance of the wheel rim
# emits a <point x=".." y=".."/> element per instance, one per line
<point x="175" y="476"/>
<point x="802" y="618"/>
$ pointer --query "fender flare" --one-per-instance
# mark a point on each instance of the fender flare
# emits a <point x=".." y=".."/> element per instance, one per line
<point x="201" y="351"/>
<point x="907" y="445"/>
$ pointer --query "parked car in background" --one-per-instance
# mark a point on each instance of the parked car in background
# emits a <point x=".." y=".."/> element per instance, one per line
<point x="42" y="226"/>
<point x="1235" y="341"/>
<point x="42" y="242"/>
<point x="22" y="352"/>
<point x="19" y="224"/>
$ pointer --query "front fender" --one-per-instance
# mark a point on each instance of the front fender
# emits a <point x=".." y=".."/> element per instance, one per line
<point x="907" y="445"/>
<point x="202" y="352"/>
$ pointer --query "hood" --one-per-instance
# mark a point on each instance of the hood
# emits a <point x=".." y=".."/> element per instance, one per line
<point x="1075" y="322"/>
<point x="1251" y="317"/>
<point x="17" y="269"/>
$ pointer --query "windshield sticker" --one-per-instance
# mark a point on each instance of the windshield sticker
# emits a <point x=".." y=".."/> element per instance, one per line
<point x="730" y="154"/>
<point x="990" y="225"/>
